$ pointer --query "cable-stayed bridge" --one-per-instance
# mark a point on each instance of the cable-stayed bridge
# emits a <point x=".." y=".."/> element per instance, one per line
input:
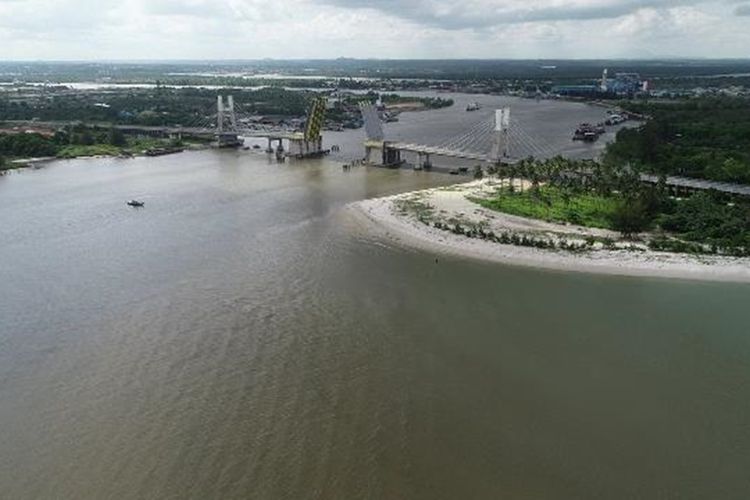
<point x="492" y="139"/>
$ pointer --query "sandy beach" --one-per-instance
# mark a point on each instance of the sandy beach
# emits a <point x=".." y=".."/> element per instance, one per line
<point x="386" y="218"/>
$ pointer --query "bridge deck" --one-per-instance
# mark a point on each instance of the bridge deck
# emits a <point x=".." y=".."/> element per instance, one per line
<point x="684" y="182"/>
<point x="274" y="135"/>
<point x="438" y="151"/>
<point x="430" y="150"/>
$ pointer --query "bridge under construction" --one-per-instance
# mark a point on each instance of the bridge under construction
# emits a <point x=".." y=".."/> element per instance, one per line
<point x="492" y="140"/>
<point x="230" y="131"/>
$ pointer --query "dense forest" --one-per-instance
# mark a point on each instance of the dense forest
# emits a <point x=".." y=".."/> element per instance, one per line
<point x="706" y="138"/>
<point x="29" y="145"/>
<point x="159" y="106"/>
<point x="559" y="71"/>
<point x="74" y="141"/>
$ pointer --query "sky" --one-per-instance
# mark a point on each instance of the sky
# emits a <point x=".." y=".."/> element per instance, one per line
<point x="403" y="29"/>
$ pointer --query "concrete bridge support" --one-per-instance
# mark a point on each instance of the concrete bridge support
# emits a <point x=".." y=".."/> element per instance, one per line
<point x="303" y="148"/>
<point x="391" y="156"/>
<point x="423" y="162"/>
<point x="279" y="147"/>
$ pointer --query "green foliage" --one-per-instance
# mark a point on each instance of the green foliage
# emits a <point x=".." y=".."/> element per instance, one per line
<point x="75" y="151"/>
<point x="707" y="218"/>
<point x="610" y="197"/>
<point x="26" y="145"/>
<point x="556" y="205"/>
<point x="677" y="246"/>
<point x="630" y="216"/>
<point x="77" y="141"/>
<point x="156" y="107"/>
<point x="705" y="138"/>
<point x="116" y="137"/>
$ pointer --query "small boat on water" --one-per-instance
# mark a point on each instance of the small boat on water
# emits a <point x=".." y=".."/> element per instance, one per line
<point x="136" y="203"/>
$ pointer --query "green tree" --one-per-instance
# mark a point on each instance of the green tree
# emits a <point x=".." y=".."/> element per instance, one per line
<point x="630" y="217"/>
<point x="116" y="137"/>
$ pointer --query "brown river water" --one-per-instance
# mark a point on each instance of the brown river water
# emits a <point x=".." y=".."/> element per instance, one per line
<point x="239" y="338"/>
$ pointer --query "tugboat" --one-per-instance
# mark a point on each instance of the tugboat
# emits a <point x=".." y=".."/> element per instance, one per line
<point x="136" y="204"/>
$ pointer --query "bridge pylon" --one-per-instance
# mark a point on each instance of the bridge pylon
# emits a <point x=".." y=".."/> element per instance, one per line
<point x="501" y="136"/>
<point x="227" y="135"/>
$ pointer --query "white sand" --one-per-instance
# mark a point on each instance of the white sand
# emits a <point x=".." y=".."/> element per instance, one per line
<point x="382" y="218"/>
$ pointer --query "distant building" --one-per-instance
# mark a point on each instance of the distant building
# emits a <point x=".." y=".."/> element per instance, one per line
<point x="623" y="84"/>
<point x="626" y="84"/>
<point x="577" y="90"/>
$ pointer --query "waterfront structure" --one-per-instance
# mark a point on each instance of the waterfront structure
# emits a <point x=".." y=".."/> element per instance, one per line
<point x="470" y="145"/>
<point x="226" y="131"/>
<point x="623" y="84"/>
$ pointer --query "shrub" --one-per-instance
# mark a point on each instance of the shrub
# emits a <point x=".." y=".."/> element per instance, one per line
<point x="630" y="217"/>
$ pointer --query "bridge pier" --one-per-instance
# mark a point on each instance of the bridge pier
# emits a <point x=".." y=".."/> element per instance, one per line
<point x="424" y="161"/>
<point x="391" y="156"/>
<point x="303" y="148"/>
<point x="228" y="140"/>
<point x="279" y="149"/>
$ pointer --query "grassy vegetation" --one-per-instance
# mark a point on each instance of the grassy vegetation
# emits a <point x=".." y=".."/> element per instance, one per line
<point x="555" y="205"/>
<point x="611" y="197"/>
<point x="75" y="151"/>
<point x="707" y="222"/>
<point x="712" y="220"/>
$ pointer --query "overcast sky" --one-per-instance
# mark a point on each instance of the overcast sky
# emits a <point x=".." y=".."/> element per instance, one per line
<point x="251" y="29"/>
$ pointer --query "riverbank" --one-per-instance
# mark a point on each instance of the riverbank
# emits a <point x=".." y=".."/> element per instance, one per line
<point x="97" y="151"/>
<point x="443" y="220"/>
<point x="16" y="164"/>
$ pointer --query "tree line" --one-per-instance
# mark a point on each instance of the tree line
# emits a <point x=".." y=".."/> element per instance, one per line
<point x="706" y="222"/>
<point x="706" y="138"/>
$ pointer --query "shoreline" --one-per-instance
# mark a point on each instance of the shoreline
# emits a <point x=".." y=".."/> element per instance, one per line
<point x="30" y="163"/>
<point x="382" y="218"/>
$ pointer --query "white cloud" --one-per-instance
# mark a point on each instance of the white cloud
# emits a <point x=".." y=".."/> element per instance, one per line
<point x="249" y="29"/>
